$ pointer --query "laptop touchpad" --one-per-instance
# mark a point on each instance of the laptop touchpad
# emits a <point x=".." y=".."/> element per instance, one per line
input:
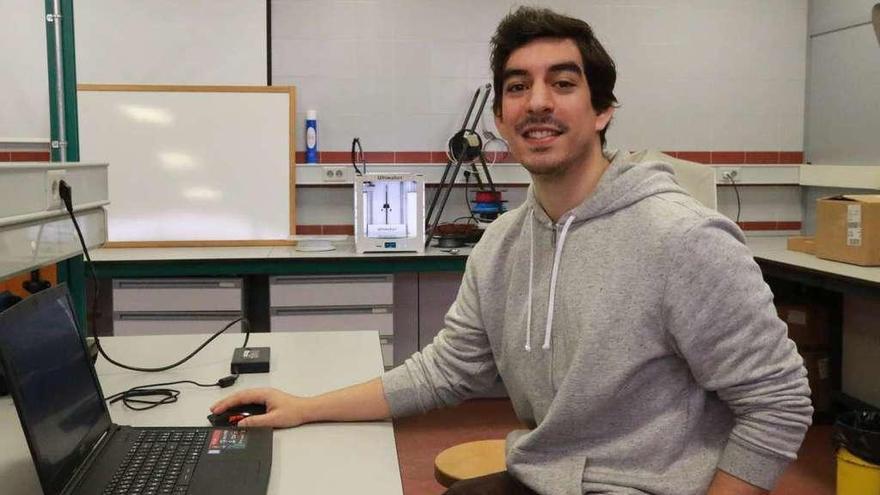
<point x="223" y="475"/>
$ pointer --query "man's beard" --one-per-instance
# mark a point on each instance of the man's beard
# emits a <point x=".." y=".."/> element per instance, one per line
<point x="558" y="169"/>
<point x="552" y="171"/>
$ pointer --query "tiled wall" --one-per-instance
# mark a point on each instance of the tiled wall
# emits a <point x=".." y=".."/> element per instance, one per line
<point x="24" y="85"/>
<point x="720" y="81"/>
<point x="693" y="75"/>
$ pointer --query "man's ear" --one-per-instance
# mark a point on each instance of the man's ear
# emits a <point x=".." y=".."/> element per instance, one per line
<point x="604" y="118"/>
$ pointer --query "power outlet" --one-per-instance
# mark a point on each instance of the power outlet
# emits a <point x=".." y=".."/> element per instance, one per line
<point x="335" y="174"/>
<point x="729" y="174"/>
<point x="53" y="197"/>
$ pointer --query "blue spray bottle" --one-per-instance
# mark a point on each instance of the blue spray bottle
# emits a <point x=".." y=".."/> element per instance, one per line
<point x="312" y="136"/>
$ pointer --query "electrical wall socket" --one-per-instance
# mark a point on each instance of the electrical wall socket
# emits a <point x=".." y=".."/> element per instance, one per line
<point x="730" y="174"/>
<point x="53" y="197"/>
<point x="335" y="174"/>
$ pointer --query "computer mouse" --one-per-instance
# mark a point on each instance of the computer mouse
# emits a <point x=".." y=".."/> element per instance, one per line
<point x="233" y="415"/>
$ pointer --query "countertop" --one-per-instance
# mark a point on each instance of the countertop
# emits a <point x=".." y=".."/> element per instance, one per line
<point x="343" y="250"/>
<point x="768" y="248"/>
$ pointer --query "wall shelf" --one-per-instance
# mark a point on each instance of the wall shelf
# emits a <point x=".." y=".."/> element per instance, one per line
<point x="513" y="173"/>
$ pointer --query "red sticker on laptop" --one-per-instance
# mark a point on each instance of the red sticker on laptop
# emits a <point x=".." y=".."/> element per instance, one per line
<point x="223" y="440"/>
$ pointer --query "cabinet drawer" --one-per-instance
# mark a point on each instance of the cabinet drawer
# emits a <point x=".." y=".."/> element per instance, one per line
<point x="173" y="323"/>
<point x="338" y="318"/>
<point x="210" y="294"/>
<point x="331" y="290"/>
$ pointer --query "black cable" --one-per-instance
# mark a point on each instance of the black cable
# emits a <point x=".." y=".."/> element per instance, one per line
<point x="738" y="203"/>
<point x="174" y="365"/>
<point x="463" y="218"/>
<point x="356" y="142"/>
<point x="131" y="397"/>
<point x="467" y="199"/>
<point x="64" y="191"/>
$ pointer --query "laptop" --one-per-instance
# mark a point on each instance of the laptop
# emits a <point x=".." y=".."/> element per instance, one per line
<point x="76" y="447"/>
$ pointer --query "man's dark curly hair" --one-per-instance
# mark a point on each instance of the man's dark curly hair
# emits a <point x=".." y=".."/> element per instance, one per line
<point x="525" y="24"/>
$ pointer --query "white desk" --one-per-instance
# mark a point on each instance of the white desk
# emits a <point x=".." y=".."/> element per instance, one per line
<point x="344" y="250"/>
<point x="331" y="458"/>
<point x="774" y="249"/>
<point x="852" y="322"/>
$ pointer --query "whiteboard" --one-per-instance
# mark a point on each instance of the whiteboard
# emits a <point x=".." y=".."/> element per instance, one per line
<point x="24" y="75"/>
<point x="193" y="165"/>
<point x="170" y="41"/>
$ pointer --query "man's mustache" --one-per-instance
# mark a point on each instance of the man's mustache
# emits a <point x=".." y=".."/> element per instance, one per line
<point x="542" y="120"/>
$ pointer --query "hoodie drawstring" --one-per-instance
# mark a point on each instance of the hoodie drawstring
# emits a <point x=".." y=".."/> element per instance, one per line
<point x="553" y="275"/>
<point x="556" y="259"/>
<point x="531" y="275"/>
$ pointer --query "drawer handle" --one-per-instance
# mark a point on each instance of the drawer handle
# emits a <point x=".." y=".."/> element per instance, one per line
<point x="182" y="284"/>
<point x="177" y="316"/>
<point x="331" y="280"/>
<point x="332" y="310"/>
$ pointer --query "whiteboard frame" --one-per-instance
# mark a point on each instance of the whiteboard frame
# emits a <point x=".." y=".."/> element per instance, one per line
<point x="290" y="90"/>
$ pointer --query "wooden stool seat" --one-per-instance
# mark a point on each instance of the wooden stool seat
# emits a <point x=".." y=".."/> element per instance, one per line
<point x="469" y="460"/>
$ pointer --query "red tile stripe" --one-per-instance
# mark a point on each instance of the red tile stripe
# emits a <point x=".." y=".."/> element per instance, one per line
<point x="695" y="156"/>
<point x="439" y="157"/>
<point x="325" y="229"/>
<point x="349" y="229"/>
<point x="24" y="156"/>
<point x="762" y="157"/>
<point x="732" y="157"/>
<point x="791" y="157"/>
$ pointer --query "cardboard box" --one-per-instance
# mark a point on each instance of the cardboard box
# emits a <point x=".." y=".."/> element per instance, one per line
<point x="802" y="244"/>
<point x="818" y="366"/>
<point x="848" y="228"/>
<point x="807" y="325"/>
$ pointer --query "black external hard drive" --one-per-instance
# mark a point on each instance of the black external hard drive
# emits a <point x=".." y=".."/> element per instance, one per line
<point x="250" y="360"/>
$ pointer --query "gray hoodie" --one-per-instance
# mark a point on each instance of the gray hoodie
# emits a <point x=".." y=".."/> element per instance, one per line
<point x="636" y="338"/>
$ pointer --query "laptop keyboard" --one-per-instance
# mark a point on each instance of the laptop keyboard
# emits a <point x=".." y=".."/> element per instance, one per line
<point x="159" y="462"/>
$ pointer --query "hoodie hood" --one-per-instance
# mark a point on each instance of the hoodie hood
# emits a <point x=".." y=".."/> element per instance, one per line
<point x="624" y="183"/>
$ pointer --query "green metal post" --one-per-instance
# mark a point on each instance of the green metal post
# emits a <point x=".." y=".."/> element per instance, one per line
<point x="68" y="54"/>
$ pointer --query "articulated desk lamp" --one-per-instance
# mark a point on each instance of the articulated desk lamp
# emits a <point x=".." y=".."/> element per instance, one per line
<point x="465" y="147"/>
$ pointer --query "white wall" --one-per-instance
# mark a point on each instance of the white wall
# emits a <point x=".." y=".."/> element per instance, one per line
<point x="693" y="75"/>
<point x="843" y="106"/>
<point x="843" y="116"/>
<point x="726" y="75"/>
<point x="171" y="42"/>
<point x="24" y="86"/>
<point x="826" y="15"/>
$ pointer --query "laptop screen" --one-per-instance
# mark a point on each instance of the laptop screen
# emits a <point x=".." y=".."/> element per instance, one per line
<point x="53" y="383"/>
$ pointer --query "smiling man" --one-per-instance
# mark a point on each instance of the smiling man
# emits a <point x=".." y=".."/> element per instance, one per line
<point x="631" y="326"/>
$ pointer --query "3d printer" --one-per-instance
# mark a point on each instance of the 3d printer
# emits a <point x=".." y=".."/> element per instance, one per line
<point x="389" y="212"/>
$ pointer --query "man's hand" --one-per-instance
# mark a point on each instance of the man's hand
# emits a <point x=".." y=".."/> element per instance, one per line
<point x="726" y="484"/>
<point x="282" y="410"/>
<point x="361" y="402"/>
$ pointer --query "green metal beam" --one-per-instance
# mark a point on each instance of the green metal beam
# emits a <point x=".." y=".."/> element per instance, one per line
<point x="70" y="271"/>
<point x="203" y="268"/>
<point x="68" y="53"/>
